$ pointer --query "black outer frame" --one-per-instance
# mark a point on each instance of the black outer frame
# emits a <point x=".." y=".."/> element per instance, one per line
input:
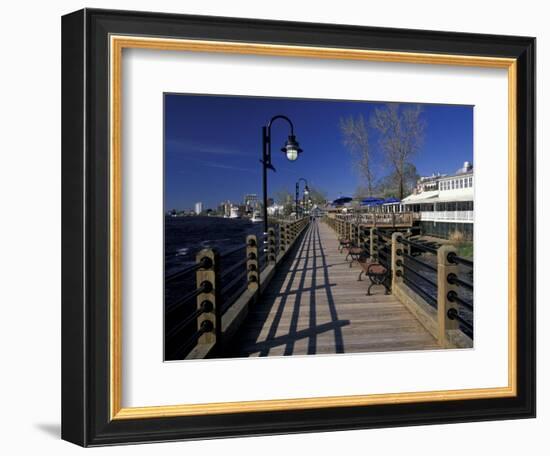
<point x="85" y="225"/>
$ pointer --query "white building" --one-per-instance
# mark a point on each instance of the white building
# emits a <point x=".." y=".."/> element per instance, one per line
<point x="275" y="210"/>
<point x="250" y="202"/>
<point x="198" y="208"/>
<point x="445" y="203"/>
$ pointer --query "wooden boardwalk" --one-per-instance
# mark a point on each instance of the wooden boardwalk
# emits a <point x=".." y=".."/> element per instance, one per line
<point x="316" y="305"/>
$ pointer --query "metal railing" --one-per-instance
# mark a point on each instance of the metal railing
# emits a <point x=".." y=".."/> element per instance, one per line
<point x="216" y="291"/>
<point x="377" y="219"/>
<point x="432" y="272"/>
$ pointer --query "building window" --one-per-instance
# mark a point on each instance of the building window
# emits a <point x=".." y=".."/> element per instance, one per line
<point x="470" y="181"/>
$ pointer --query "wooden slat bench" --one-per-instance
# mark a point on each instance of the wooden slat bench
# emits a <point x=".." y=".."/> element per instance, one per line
<point x="377" y="273"/>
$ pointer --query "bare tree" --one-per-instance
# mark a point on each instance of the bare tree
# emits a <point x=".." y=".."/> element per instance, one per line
<point x="401" y="132"/>
<point x="389" y="185"/>
<point x="361" y="192"/>
<point x="356" y="139"/>
<point x="317" y="195"/>
<point x="285" y="199"/>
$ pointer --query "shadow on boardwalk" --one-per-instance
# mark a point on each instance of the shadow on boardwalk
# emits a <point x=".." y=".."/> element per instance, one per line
<point x="315" y="305"/>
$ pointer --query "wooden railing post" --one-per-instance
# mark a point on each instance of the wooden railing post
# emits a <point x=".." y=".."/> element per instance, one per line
<point x="282" y="237"/>
<point x="271" y="246"/>
<point x="209" y="278"/>
<point x="444" y="268"/>
<point x="373" y="243"/>
<point x="397" y="258"/>
<point x="252" y="262"/>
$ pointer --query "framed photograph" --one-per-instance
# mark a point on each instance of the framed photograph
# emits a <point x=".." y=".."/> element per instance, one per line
<point x="278" y="227"/>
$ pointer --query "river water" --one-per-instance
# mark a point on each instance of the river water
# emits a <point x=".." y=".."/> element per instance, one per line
<point x="186" y="236"/>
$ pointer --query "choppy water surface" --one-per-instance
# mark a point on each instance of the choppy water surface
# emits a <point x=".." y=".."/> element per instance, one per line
<point x="184" y="237"/>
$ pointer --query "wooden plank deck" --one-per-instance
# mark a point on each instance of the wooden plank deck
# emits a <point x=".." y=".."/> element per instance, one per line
<point x="316" y="305"/>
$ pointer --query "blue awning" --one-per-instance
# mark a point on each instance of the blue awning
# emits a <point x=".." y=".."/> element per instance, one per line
<point x="342" y="200"/>
<point x="371" y="201"/>
<point x="391" y="200"/>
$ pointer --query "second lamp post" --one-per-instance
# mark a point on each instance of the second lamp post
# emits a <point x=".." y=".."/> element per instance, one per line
<point x="306" y="192"/>
<point x="291" y="149"/>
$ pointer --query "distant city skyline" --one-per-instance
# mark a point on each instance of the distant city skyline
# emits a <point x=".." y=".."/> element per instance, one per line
<point x="213" y="146"/>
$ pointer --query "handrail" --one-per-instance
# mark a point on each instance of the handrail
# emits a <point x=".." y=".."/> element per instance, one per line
<point x="233" y="282"/>
<point x="205" y="262"/>
<point x="233" y="250"/>
<point x="416" y="273"/>
<point x="204" y="287"/>
<point x="211" y="300"/>
<point x="205" y="327"/>
<point x="454" y="315"/>
<point x="409" y="272"/>
<point x="382" y="234"/>
<point x="206" y="306"/>
<point x="453" y="297"/>
<point x="453" y="279"/>
<point x="431" y="300"/>
<point x="418" y="245"/>
<point x="454" y="258"/>
<point x="420" y="262"/>
<point x="233" y="268"/>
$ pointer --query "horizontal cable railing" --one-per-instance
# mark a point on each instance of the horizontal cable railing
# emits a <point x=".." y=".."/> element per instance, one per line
<point x="220" y="279"/>
<point x="206" y="306"/>
<point x="454" y="258"/>
<point x="454" y="315"/>
<point x="432" y="271"/>
<point x="187" y="271"/>
<point x="205" y="287"/>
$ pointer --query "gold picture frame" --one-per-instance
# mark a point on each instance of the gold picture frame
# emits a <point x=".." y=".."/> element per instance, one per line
<point x="114" y="44"/>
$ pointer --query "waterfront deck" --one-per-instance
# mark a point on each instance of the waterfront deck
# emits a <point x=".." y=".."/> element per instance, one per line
<point x="316" y="305"/>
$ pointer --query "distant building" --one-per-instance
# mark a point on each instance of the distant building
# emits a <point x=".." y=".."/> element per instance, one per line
<point x="428" y="183"/>
<point x="276" y="210"/>
<point x="225" y="208"/>
<point x="198" y="208"/>
<point x="445" y="203"/>
<point x="250" y="202"/>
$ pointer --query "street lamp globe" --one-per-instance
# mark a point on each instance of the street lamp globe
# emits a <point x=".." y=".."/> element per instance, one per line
<point x="306" y="190"/>
<point x="291" y="148"/>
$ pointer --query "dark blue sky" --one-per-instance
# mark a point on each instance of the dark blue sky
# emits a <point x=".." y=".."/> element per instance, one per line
<point x="213" y="146"/>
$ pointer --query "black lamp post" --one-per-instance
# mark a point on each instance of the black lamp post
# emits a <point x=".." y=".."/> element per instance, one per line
<point x="306" y="192"/>
<point x="291" y="149"/>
